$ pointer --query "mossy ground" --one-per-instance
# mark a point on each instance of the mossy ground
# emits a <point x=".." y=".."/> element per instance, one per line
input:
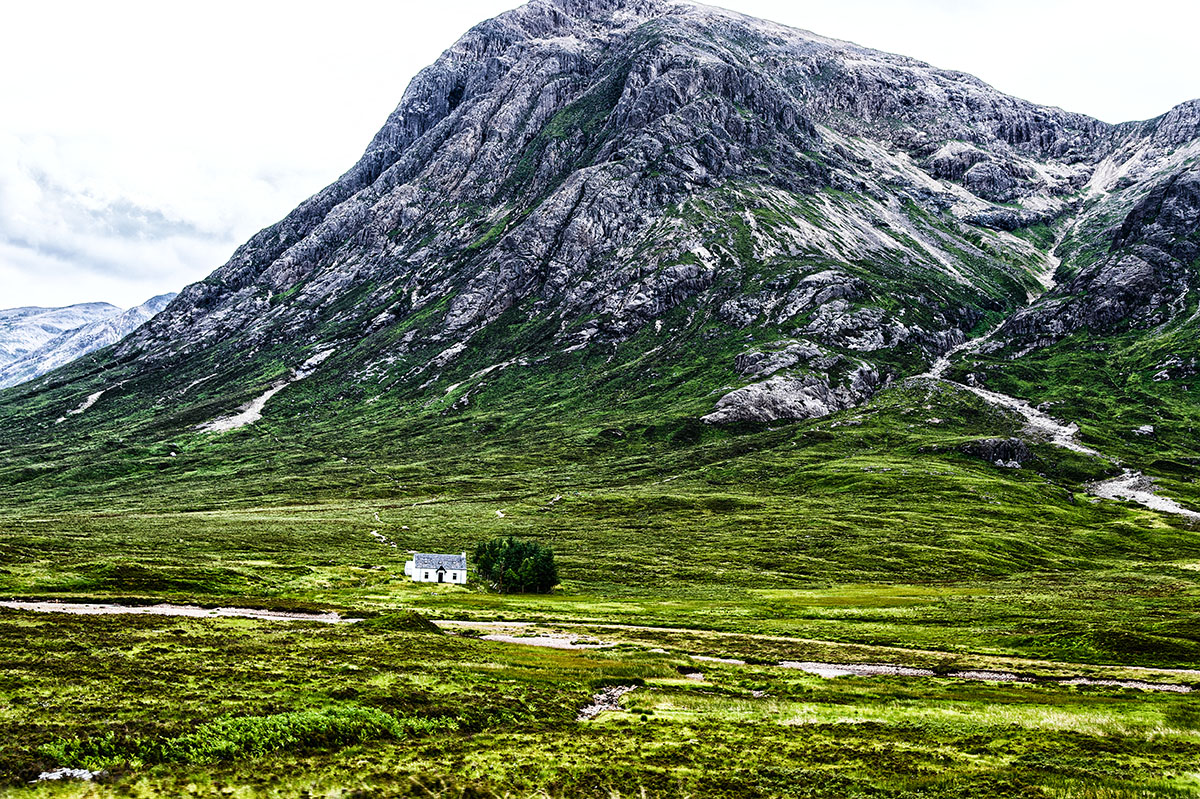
<point x="864" y="538"/>
<point x="869" y="535"/>
<point x="162" y="706"/>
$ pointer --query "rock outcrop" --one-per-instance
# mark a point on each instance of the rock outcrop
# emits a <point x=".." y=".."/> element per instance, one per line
<point x="1146" y="278"/>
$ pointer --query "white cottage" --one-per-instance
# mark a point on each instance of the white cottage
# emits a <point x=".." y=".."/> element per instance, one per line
<point x="430" y="568"/>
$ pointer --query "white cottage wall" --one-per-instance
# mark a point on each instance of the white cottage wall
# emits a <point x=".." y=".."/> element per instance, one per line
<point x="431" y="565"/>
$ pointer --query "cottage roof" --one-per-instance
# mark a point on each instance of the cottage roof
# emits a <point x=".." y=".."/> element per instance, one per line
<point x="426" y="560"/>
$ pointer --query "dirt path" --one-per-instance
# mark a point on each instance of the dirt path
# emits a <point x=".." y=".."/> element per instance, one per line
<point x="548" y="641"/>
<point x="513" y="632"/>
<point x="186" y="611"/>
<point x="821" y="669"/>
<point x="1136" y="487"/>
<point x="831" y="670"/>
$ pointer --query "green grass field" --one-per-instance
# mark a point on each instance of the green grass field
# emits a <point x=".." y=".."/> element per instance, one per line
<point x="873" y="536"/>
<point x="242" y="708"/>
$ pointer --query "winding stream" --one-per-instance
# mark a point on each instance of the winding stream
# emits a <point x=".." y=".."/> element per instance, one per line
<point x="1131" y="486"/>
<point x="606" y="700"/>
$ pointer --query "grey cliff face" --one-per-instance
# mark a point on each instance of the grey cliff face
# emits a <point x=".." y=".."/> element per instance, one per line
<point x="803" y="381"/>
<point x="1144" y="280"/>
<point x="593" y="169"/>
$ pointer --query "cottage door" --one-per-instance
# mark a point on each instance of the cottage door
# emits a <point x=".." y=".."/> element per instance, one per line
<point x="442" y="574"/>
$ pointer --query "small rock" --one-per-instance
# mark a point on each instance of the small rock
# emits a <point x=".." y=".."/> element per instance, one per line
<point x="68" y="774"/>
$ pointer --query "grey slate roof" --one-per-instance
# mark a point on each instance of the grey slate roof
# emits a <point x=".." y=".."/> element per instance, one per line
<point x="425" y="560"/>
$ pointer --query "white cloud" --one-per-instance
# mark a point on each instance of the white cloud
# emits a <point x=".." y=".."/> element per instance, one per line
<point x="141" y="142"/>
<point x="1115" y="61"/>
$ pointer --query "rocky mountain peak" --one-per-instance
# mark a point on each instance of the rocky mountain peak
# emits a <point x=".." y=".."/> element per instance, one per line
<point x="23" y="330"/>
<point x="1178" y="126"/>
<point x="604" y="9"/>
<point x="575" y="173"/>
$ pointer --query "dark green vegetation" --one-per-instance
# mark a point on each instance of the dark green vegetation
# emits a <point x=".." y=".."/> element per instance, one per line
<point x="1113" y="385"/>
<point x="234" y="737"/>
<point x="516" y="566"/>
<point x="874" y="535"/>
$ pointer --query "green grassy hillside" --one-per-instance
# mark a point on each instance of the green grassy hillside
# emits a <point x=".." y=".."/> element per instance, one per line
<point x="878" y="534"/>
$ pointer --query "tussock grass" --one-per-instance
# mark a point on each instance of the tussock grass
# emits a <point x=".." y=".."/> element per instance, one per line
<point x="236" y="737"/>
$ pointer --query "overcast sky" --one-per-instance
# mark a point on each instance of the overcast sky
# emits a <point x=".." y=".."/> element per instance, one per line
<point x="141" y="142"/>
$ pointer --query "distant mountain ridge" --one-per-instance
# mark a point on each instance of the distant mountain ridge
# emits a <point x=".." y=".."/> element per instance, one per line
<point x="35" y="341"/>
<point x="23" y="330"/>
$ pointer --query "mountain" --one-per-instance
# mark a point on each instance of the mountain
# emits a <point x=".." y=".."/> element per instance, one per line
<point x="645" y="212"/>
<point x="76" y="342"/>
<point x="23" y="330"/>
<point x="855" y="399"/>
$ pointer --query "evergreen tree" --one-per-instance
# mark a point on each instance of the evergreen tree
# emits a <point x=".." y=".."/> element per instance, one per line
<point x="515" y="566"/>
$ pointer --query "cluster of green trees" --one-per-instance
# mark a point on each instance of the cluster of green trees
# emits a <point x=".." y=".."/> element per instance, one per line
<point x="515" y="566"/>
